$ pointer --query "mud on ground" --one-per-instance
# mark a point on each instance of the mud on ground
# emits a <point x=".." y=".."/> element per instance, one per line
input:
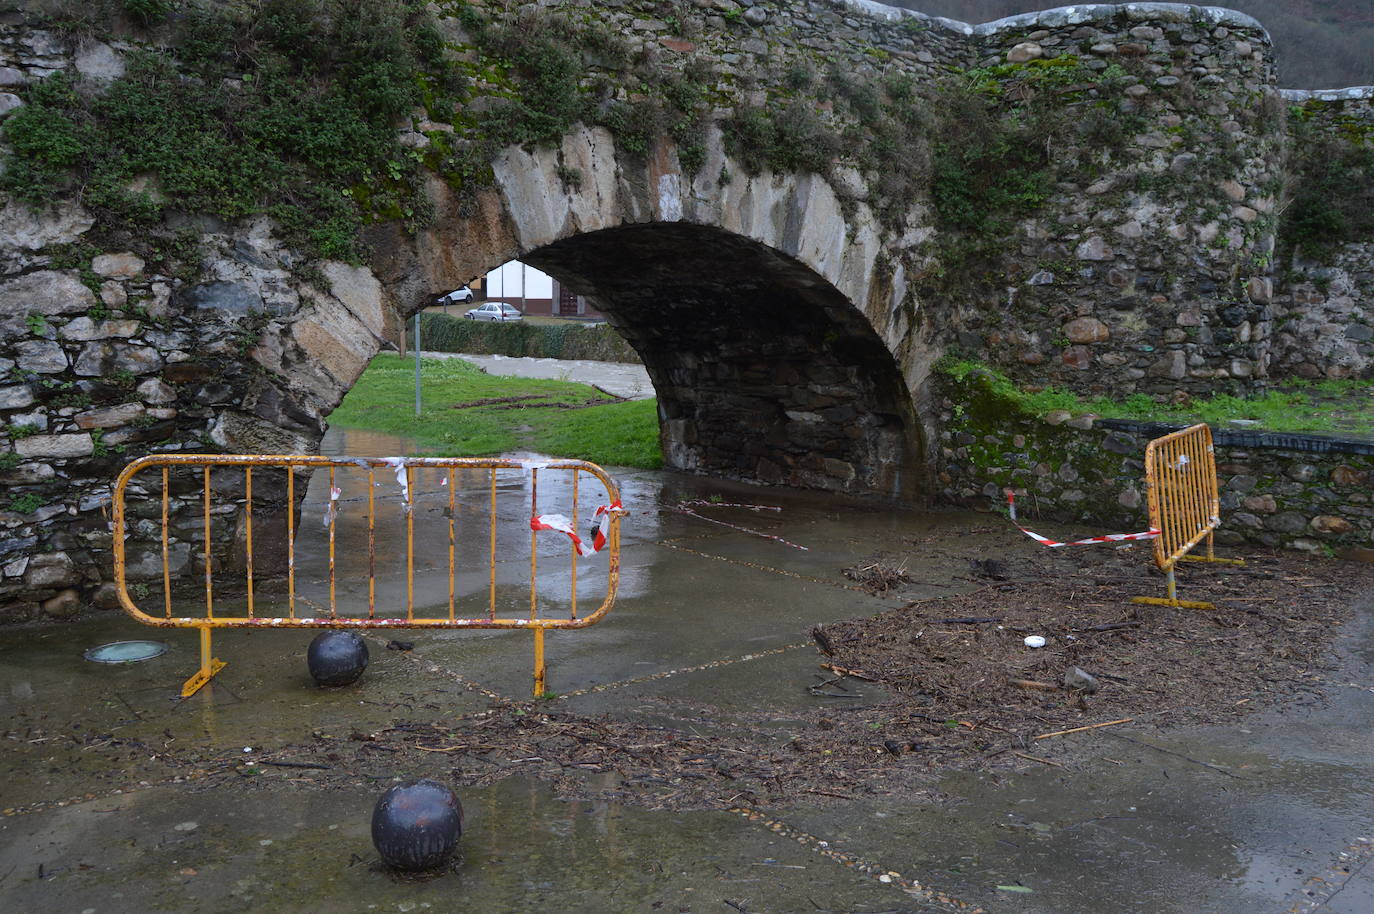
<point x="965" y="691"/>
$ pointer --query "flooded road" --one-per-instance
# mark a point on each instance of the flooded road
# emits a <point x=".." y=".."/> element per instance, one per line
<point x="103" y="812"/>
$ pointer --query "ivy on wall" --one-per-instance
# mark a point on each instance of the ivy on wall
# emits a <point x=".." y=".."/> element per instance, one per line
<point x="282" y="108"/>
<point x="1331" y="190"/>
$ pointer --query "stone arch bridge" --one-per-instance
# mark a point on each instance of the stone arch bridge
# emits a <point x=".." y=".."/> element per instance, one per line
<point x="789" y="318"/>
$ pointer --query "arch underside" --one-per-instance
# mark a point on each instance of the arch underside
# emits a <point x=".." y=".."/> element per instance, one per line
<point x="764" y="371"/>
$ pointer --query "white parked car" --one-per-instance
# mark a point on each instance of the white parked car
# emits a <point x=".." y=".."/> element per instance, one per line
<point x="495" y="311"/>
<point x="456" y="297"/>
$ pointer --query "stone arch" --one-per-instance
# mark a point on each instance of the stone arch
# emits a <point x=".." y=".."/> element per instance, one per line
<point x="763" y="370"/>
<point x="773" y="318"/>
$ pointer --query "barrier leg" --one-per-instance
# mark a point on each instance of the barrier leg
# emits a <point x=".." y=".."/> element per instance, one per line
<point x="538" y="662"/>
<point x="209" y="666"/>
<point x="1211" y="556"/>
<point x="1172" y="599"/>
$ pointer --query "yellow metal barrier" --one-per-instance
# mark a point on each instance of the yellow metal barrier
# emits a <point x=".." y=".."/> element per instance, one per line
<point x="1181" y="481"/>
<point x="245" y="607"/>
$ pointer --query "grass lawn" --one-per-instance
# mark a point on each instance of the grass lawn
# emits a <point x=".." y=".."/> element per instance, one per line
<point x="1295" y="405"/>
<point x="468" y="413"/>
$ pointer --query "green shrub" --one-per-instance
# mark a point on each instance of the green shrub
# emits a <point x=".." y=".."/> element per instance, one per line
<point x="26" y="504"/>
<point x="442" y="333"/>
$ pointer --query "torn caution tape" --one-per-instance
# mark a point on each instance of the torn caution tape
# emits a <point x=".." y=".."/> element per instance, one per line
<point x="599" y="533"/>
<point x="1090" y="541"/>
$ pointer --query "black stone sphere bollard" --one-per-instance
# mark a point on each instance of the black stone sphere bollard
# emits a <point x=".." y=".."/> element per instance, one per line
<point x="337" y="658"/>
<point x="416" y="825"/>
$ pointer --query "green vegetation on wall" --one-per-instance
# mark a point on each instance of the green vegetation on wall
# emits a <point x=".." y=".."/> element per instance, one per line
<point x="1301" y="406"/>
<point x="1000" y="145"/>
<point x="1332" y="184"/>
<point x="283" y="108"/>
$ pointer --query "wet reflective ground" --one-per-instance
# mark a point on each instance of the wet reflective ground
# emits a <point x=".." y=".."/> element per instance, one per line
<point x="101" y="815"/>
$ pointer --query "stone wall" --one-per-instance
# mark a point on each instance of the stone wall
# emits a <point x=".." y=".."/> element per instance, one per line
<point x="1149" y="268"/>
<point x="1324" y="307"/>
<point x="1305" y="492"/>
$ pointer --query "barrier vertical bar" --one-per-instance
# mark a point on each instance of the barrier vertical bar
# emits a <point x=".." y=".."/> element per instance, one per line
<point x="332" y="609"/>
<point x="166" y="552"/>
<point x="491" y="567"/>
<point x="410" y="537"/>
<point x="534" y="543"/>
<point x="573" y="610"/>
<point x="209" y="576"/>
<point x="452" y="539"/>
<point x="291" y="540"/>
<point x="371" y="543"/>
<point x="248" y="531"/>
<point x="534" y="589"/>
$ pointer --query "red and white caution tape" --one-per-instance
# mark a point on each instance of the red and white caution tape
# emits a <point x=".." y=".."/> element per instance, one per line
<point x="685" y="507"/>
<point x="1090" y="541"/>
<point x="600" y="531"/>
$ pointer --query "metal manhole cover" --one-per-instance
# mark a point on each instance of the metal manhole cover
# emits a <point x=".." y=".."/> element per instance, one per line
<point x="125" y="651"/>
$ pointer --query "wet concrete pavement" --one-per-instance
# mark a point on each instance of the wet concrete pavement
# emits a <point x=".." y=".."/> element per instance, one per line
<point x="1272" y="815"/>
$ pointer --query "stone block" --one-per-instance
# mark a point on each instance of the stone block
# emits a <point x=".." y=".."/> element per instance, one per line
<point x="1349" y="476"/>
<point x="110" y="417"/>
<point x="16" y="397"/>
<point x="55" y="446"/>
<point x="1025" y="51"/>
<point x="125" y="265"/>
<point x="41" y="357"/>
<point x="1287" y="522"/>
<point x="62" y="606"/>
<point x="1330" y="525"/>
<point x="46" y="292"/>
<point x="54" y="569"/>
<point x="1086" y="330"/>
<point x="1094" y="249"/>
<point x="83" y="329"/>
<point x="1079" y="358"/>
<point x="156" y="392"/>
<point x="226" y="297"/>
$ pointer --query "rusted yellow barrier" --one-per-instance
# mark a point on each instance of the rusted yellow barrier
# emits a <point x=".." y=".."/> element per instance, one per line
<point x="244" y="609"/>
<point x="1181" y="482"/>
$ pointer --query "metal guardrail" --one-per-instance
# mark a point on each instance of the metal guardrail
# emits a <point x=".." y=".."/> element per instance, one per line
<point x="1185" y="507"/>
<point x="245" y="609"/>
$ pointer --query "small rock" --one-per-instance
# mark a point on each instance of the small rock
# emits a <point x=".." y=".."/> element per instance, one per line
<point x="1336" y="526"/>
<point x="64" y="605"/>
<point x="1086" y="330"/>
<point x="1057" y="416"/>
<point x="1094" y="248"/>
<point x="1077" y="678"/>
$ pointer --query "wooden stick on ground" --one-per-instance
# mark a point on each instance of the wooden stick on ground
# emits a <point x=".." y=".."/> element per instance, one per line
<point x="843" y="671"/>
<point x="1032" y="758"/>
<point x="1110" y="723"/>
<point x="1035" y="684"/>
